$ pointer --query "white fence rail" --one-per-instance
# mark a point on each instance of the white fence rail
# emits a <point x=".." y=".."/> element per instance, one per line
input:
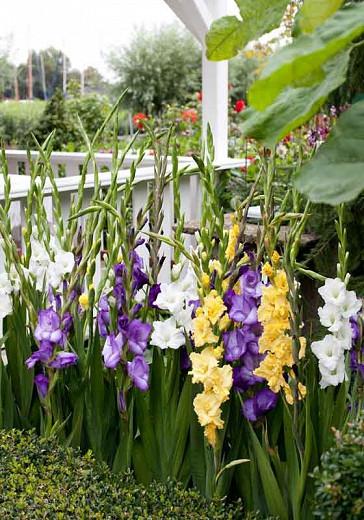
<point x="68" y="187"/>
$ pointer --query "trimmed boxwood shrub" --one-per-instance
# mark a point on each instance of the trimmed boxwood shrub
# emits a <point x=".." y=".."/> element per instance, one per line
<point x="40" y="479"/>
<point x="339" y="484"/>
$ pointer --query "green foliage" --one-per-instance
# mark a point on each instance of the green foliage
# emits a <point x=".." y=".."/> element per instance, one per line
<point x="335" y="174"/>
<point x="159" y="67"/>
<point x="62" y="115"/>
<point x="294" y="106"/>
<point x="228" y="35"/>
<point x="315" y="12"/>
<point x="300" y="64"/>
<point x="55" y="117"/>
<point x="18" y="120"/>
<point x="40" y="479"/>
<point x="339" y="483"/>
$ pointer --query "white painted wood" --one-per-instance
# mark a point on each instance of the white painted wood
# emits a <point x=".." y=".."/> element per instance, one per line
<point x="194" y="14"/>
<point x="140" y="197"/>
<point x="167" y="230"/>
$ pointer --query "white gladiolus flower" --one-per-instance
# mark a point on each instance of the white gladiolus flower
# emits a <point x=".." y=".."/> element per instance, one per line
<point x="171" y="298"/>
<point x="188" y="284"/>
<point x="345" y="335"/>
<point x="15" y="278"/>
<point x="333" y="377"/>
<point x="340" y="306"/>
<point x="351" y="305"/>
<point x="330" y="317"/>
<point x="5" y="284"/>
<point x="333" y="291"/>
<point x="38" y="264"/>
<point x="53" y="276"/>
<point x="166" y="334"/>
<point x="6" y="306"/>
<point x="184" y="318"/>
<point x="328" y="351"/>
<point x="64" y="262"/>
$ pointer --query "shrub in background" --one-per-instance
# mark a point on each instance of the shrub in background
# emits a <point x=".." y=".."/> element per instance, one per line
<point x="158" y="67"/>
<point x="339" y="483"/>
<point x="40" y="479"/>
<point x="18" y="120"/>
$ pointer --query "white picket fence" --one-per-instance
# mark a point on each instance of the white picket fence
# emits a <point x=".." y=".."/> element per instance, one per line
<point x="68" y="186"/>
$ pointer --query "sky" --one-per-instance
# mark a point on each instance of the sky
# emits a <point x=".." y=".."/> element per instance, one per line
<point x="85" y="29"/>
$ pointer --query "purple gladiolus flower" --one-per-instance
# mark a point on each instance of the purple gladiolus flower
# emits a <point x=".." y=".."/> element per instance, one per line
<point x="258" y="405"/>
<point x="228" y="298"/>
<point x="250" y="284"/>
<point x="137" y="333"/>
<point x="185" y="362"/>
<point x="63" y="360"/>
<point x="153" y="293"/>
<point x="138" y="371"/>
<point x="112" y="350"/>
<point x="355" y="329"/>
<point x="243" y="310"/>
<point x="42" y="383"/>
<point x="235" y="345"/>
<point x="42" y="355"/>
<point x="121" y="402"/>
<point x="140" y="278"/>
<point x="120" y="296"/>
<point x="67" y="323"/>
<point x="49" y="326"/>
<point x="243" y="376"/>
<point x="103" y="316"/>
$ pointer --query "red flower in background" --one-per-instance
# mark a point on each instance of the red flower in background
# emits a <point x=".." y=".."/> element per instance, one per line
<point x="199" y="96"/>
<point x="239" y="105"/>
<point x="190" y="115"/>
<point x="138" y="120"/>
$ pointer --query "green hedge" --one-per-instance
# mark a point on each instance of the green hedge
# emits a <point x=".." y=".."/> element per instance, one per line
<point x="18" y="119"/>
<point x="339" y="483"/>
<point x="40" y="479"/>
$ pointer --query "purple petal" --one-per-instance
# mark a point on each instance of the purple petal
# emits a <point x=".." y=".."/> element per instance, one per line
<point x="42" y="383"/>
<point x="137" y="334"/>
<point x="138" y="371"/>
<point x="112" y="350"/>
<point x="63" y="360"/>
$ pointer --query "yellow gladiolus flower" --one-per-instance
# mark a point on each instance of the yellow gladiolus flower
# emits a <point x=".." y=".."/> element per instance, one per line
<point x="232" y="243"/>
<point x="215" y="265"/>
<point x="267" y="269"/>
<point x="84" y="301"/>
<point x="213" y="307"/>
<point x="202" y="331"/>
<point x="207" y="408"/>
<point x="205" y="281"/>
<point x="224" y="322"/>
<point x="202" y="364"/>
<point x="275" y="257"/>
<point x="219" y="380"/>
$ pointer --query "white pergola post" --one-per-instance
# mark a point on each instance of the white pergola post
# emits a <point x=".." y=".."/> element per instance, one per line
<point x="215" y="91"/>
<point x="197" y="16"/>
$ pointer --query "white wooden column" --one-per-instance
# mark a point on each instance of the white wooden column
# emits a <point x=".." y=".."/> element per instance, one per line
<point x="215" y="91"/>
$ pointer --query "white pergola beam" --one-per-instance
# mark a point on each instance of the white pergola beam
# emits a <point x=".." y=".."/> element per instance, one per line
<point x="194" y="14"/>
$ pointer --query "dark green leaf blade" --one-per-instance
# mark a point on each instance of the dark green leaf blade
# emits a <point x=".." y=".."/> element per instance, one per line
<point x="336" y="174"/>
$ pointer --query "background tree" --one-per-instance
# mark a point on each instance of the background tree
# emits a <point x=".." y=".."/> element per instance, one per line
<point x="158" y="67"/>
<point x="7" y="70"/>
